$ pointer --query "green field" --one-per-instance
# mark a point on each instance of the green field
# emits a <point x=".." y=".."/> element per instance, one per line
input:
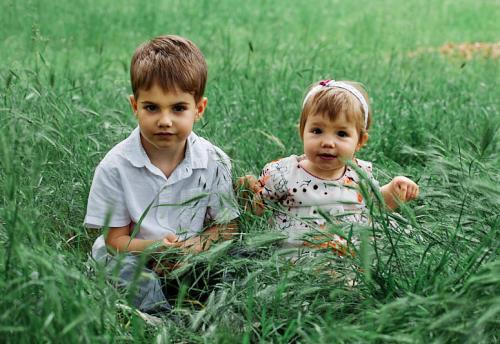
<point x="435" y="278"/>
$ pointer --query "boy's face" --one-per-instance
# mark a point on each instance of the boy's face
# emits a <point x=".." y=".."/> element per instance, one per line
<point x="328" y="144"/>
<point x="166" y="118"/>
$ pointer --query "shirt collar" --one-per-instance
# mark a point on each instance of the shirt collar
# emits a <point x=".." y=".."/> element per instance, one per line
<point x="196" y="151"/>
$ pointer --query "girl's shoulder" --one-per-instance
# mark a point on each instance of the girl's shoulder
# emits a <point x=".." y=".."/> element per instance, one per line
<point x="364" y="165"/>
<point x="282" y="164"/>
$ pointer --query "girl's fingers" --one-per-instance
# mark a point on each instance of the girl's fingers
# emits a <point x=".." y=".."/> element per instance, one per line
<point x="402" y="191"/>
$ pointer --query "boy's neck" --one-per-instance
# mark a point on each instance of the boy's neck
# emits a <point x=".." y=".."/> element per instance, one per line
<point x="166" y="159"/>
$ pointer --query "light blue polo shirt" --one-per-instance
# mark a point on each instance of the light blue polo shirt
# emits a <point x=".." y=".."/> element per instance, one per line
<point x="127" y="185"/>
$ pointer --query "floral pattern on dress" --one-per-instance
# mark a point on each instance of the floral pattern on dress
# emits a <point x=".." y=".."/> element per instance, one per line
<point x="299" y="199"/>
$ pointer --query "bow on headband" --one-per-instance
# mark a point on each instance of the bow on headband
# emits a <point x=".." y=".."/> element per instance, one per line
<point x="331" y="84"/>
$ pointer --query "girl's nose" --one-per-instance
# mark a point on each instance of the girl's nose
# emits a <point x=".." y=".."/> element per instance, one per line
<point x="165" y="120"/>
<point x="328" y="143"/>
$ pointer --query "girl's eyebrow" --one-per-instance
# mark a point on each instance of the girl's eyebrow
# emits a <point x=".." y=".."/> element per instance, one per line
<point x="317" y="124"/>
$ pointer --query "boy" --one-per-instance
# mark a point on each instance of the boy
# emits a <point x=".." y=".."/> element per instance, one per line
<point x="162" y="171"/>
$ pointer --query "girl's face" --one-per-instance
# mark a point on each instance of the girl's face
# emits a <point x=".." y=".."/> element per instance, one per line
<point x="328" y="144"/>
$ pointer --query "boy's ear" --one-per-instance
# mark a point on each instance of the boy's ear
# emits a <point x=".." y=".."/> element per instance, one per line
<point x="200" y="108"/>
<point x="362" y="141"/>
<point x="133" y="103"/>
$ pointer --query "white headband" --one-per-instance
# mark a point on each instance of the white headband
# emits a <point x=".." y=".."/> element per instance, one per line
<point x="343" y="85"/>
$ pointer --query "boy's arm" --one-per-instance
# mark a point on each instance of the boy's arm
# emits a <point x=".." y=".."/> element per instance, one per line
<point x="119" y="239"/>
<point x="400" y="189"/>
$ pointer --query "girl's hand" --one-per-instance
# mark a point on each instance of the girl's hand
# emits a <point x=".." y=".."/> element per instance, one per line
<point x="404" y="189"/>
<point x="250" y="194"/>
<point x="400" y="189"/>
<point x="248" y="182"/>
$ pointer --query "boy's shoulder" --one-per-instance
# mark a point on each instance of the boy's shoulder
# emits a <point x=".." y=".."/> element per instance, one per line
<point x="129" y="153"/>
<point x="123" y="151"/>
<point x="204" y="149"/>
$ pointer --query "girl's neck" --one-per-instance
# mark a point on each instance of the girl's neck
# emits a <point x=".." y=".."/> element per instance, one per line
<point x="336" y="174"/>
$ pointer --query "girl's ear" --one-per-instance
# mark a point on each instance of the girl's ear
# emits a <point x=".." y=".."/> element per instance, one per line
<point x="133" y="103"/>
<point x="362" y="141"/>
<point x="200" y="107"/>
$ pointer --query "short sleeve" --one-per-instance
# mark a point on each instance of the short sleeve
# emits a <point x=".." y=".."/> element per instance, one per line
<point x="222" y="205"/>
<point x="273" y="185"/>
<point x="106" y="203"/>
<point x="367" y="168"/>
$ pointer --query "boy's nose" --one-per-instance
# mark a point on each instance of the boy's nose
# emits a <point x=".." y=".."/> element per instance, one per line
<point x="165" y="120"/>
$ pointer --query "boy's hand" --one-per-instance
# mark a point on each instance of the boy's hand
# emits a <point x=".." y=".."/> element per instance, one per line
<point x="194" y="244"/>
<point x="404" y="188"/>
<point x="171" y="240"/>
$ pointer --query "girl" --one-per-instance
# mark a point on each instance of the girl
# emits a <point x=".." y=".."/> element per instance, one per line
<point x="334" y="125"/>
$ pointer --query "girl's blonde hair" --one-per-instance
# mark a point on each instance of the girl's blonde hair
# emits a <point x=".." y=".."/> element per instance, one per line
<point x="332" y="101"/>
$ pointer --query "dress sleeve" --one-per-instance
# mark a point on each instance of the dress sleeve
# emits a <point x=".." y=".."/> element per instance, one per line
<point x="366" y="166"/>
<point x="222" y="205"/>
<point x="106" y="204"/>
<point x="273" y="185"/>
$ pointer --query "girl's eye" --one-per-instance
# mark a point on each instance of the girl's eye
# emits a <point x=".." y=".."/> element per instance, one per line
<point x="342" y="134"/>
<point x="316" y="131"/>
<point x="151" y="108"/>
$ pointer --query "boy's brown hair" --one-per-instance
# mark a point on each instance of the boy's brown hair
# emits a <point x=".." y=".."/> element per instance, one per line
<point x="332" y="101"/>
<point x="172" y="62"/>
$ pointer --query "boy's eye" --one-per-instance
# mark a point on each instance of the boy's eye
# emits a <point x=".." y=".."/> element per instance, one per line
<point x="316" y="131"/>
<point x="342" y="133"/>
<point x="150" y="108"/>
<point x="179" y="108"/>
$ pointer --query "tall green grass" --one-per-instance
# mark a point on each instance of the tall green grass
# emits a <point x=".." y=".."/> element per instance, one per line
<point x="431" y="275"/>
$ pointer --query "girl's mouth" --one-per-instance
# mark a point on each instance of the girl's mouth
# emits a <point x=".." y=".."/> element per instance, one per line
<point x="326" y="156"/>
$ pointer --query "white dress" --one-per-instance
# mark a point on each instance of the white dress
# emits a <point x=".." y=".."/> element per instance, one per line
<point x="301" y="201"/>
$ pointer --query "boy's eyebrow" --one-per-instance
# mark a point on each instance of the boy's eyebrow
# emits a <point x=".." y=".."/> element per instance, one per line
<point x="175" y="103"/>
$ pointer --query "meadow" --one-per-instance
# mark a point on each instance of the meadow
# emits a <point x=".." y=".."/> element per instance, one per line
<point x="434" y="277"/>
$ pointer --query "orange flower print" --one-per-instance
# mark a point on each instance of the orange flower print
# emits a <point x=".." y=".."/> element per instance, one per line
<point x="260" y="185"/>
<point x="360" y="198"/>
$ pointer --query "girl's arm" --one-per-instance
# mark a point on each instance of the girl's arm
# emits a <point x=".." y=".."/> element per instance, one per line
<point x="251" y="183"/>
<point x="400" y="189"/>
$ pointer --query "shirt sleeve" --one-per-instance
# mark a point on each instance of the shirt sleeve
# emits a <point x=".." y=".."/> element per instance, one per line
<point x="273" y="184"/>
<point x="222" y="205"/>
<point x="106" y="204"/>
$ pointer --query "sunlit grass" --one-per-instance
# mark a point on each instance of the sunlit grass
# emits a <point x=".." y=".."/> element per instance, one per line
<point x="429" y="273"/>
